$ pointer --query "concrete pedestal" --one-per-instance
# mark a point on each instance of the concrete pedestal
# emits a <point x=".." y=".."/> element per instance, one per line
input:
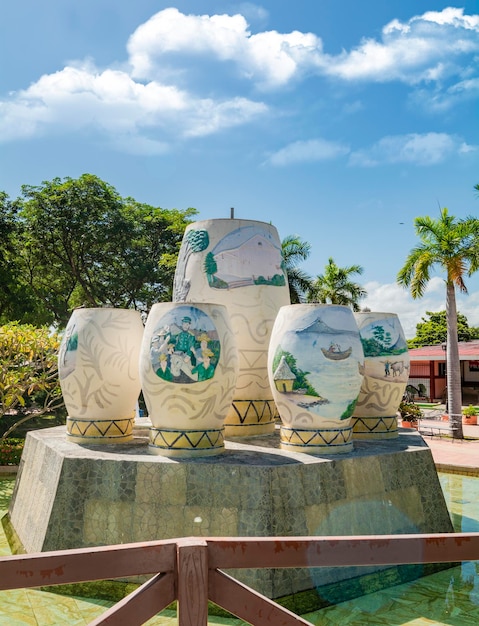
<point x="72" y="496"/>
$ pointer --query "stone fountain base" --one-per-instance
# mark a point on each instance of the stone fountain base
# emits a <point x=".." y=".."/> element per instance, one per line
<point x="71" y="496"/>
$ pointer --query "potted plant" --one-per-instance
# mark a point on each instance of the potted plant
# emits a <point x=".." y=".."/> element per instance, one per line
<point x="410" y="415"/>
<point x="469" y="415"/>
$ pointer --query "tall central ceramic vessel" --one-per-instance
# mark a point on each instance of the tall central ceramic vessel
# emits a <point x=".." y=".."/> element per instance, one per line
<point x="315" y="366"/>
<point x="238" y="263"/>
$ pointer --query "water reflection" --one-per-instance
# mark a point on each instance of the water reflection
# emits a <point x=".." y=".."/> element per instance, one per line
<point x="462" y="499"/>
<point x="448" y="597"/>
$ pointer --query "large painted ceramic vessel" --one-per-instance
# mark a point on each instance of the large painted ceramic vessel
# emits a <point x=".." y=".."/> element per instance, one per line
<point x="238" y="263"/>
<point x="315" y="363"/>
<point x="188" y="370"/>
<point x="98" y="371"/>
<point x="386" y="372"/>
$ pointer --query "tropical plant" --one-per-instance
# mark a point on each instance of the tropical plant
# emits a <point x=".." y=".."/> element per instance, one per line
<point x="336" y="286"/>
<point x="295" y="251"/>
<point x="470" y="411"/>
<point x="29" y="384"/>
<point x="410" y="412"/>
<point x="453" y="245"/>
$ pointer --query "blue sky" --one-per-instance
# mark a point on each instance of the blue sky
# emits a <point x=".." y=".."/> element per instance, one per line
<point x="336" y="121"/>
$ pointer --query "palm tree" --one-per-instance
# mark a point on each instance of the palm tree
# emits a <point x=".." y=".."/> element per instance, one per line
<point x="452" y="245"/>
<point x="336" y="287"/>
<point x="294" y="251"/>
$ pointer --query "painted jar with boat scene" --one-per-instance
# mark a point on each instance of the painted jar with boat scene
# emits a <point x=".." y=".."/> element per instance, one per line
<point x="314" y="364"/>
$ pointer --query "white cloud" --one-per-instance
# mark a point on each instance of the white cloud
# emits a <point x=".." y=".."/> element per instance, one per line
<point x="138" y="145"/>
<point x="111" y="101"/>
<point x="308" y="151"/>
<point x="208" y="116"/>
<point x="451" y="17"/>
<point x="143" y="105"/>
<point x="270" y="59"/>
<point x="171" y="31"/>
<point x="428" y="47"/>
<point x="469" y="306"/>
<point x="392" y="298"/>
<point x="436" y="285"/>
<point x="418" y="149"/>
<point x="415" y="149"/>
<point x="440" y="100"/>
<point x="253" y="11"/>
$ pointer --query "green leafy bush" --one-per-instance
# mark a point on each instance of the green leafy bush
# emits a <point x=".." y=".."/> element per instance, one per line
<point x="410" y="412"/>
<point x="11" y="451"/>
<point x="29" y="384"/>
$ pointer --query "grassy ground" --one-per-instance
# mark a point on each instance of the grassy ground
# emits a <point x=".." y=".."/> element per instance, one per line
<point x="428" y="405"/>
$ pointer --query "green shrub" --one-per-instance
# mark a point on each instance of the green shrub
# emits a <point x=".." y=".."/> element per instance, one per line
<point x="11" y="451"/>
<point x="410" y="411"/>
<point x="29" y="384"/>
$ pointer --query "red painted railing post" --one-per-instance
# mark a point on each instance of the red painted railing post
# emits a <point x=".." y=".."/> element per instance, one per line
<point x="192" y="592"/>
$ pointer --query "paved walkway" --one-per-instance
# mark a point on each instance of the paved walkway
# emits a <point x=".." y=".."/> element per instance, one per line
<point x="461" y="457"/>
<point x="453" y="455"/>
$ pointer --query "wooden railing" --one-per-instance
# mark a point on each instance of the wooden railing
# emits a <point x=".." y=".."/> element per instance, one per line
<point x="190" y="570"/>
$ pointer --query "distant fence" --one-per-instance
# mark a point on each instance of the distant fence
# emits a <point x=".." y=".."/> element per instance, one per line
<point x="190" y="570"/>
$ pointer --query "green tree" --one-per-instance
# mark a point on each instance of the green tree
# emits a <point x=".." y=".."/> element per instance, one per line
<point x="336" y="286"/>
<point x="433" y="330"/>
<point x="29" y="383"/>
<point x="295" y="251"/>
<point x="17" y="300"/>
<point x="85" y="245"/>
<point x="452" y="245"/>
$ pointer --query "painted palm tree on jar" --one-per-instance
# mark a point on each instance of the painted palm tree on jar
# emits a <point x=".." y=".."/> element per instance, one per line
<point x="452" y="245"/>
<point x="336" y="286"/>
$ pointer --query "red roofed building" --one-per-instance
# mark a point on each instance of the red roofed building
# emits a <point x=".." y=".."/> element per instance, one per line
<point x="428" y="371"/>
